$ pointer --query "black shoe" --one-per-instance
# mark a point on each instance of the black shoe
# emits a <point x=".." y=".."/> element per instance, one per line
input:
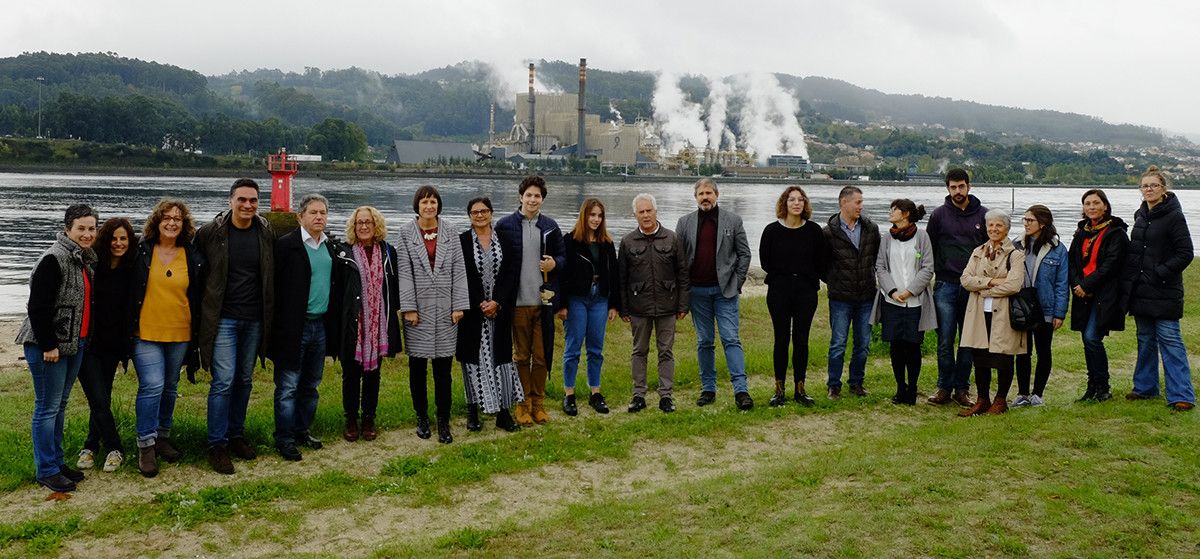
<point x="1089" y="395"/>
<point x="597" y="402"/>
<point x="473" y="423"/>
<point x="569" y="406"/>
<point x="706" y="397"/>
<point x="504" y="420"/>
<point x="666" y="404"/>
<point x="57" y="483"/>
<point x="423" y="427"/>
<point x="242" y="449"/>
<point x="309" y="441"/>
<point x="218" y="459"/>
<point x="901" y="395"/>
<point x="73" y="475"/>
<point x="289" y="452"/>
<point x="444" y="435"/>
<point x="1103" y="393"/>
<point x="744" y="401"/>
<point x="637" y="404"/>
<point x="801" y="396"/>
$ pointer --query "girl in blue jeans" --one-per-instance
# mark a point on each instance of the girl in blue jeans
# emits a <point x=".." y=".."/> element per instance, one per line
<point x="591" y="299"/>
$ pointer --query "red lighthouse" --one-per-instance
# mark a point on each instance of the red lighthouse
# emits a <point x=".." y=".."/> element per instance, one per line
<point x="281" y="169"/>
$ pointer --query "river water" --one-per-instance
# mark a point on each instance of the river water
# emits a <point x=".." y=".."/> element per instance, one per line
<point x="31" y="205"/>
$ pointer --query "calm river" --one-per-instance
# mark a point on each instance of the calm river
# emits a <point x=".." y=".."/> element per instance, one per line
<point x="31" y="205"/>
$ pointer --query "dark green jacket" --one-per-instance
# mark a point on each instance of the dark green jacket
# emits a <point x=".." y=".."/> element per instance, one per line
<point x="213" y="241"/>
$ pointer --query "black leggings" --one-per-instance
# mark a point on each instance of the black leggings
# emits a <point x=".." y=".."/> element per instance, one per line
<point x="792" y="308"/>
<point x="1038" y="339"/>
<point x="353" y="377"/>
<point x="985" y="361"/>
<point x="906" y="356"/>
<point x="96" y="378"/>
<point x="441" y="385"/>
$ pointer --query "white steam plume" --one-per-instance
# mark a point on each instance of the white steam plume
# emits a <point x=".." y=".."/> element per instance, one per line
<point x="612" y="108"/>
<point x="718" y="107"/>
<point x="505" y="84"/>
<point x="768" y="118"/>
<point x="678" y="118"/>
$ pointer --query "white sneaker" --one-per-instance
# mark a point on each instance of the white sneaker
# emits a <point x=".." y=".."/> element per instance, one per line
<point x="1036" y="400"/>
<point x="1022" y="401"/>
<point x="86" y="460"/>
<point x="113" y="461"/>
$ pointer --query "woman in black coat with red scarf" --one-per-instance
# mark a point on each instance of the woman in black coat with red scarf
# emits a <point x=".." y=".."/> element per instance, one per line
<point x="1096" y="259"/>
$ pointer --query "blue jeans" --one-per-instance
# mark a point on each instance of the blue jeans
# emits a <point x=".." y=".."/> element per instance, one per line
<point x="843" y="316"/>
<point x="1157" y="337"/>
<point x="954" y="371"/>
<point x="52" y="384"/>
<point x="587" y="317"/>
<point x="296" y="390"/>
<point x="234" y="352"/>
<point x="1094" y="354"/>
<point x="708" y="306"/>
<point x="157" y="365"/>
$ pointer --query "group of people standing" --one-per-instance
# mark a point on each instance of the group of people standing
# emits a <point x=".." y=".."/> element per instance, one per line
<point x="222" y="296"/>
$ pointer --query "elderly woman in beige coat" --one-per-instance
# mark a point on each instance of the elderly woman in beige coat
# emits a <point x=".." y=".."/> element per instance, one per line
<point x="995" y="271"/>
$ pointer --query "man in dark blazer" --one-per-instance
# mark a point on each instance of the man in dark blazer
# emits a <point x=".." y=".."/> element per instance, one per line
<point x="718" y="256"/>
<point x="307" y="322"/>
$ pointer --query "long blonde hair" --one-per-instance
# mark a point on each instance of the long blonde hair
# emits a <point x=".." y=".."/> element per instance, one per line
<point x="380" y="225"/>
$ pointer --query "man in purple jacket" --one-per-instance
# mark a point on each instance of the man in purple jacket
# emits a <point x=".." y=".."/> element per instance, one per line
<point x="955" y="228"/>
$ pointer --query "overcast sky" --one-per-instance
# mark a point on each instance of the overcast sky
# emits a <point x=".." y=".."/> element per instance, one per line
<point x="1122" y="61"/>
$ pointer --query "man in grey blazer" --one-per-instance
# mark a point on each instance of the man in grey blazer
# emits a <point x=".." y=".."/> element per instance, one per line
<point x="718" y="256"/>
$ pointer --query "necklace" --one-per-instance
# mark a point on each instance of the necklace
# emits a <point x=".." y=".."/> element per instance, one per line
<point x="429" y="236"/>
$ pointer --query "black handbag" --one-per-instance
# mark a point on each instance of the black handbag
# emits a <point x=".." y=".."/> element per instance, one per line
<point x="1024" y="309"/>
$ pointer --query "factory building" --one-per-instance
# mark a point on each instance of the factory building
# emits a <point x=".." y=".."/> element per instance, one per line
<point x="416" y="153"/>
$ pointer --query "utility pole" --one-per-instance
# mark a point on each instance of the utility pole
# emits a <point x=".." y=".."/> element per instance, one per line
<point x="41" y="82"/>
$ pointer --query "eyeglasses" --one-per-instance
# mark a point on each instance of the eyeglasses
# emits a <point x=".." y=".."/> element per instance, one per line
<point x="1151" y="186"/>
<point x="358" y="222"/>
<point x="480" y="212"/>
<point x="172" y="219"/>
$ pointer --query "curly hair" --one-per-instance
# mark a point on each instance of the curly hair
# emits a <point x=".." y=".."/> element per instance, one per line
<point x="103" y="246"/>
<point x="380" y="225"/>
<point x="781" y="204"/>
<point x="186" y="233"/>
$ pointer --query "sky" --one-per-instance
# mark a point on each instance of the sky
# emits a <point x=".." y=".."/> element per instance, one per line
<point x="1121" y="61"/>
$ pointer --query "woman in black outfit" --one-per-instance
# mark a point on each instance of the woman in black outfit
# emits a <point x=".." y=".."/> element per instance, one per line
<point x="110" y="341"/>
<point x="1097" y="259"/>
<point x="794" y="254"/>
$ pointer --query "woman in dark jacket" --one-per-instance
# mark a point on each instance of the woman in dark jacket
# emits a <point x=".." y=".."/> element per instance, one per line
<point x="370" y="322"/>
<point x="591" y="299"/>
<point x="485" y="331"/>
<point x="164" y="323"/>
<point x="1096" y="258"/>
<point x="1160" y="249"/>
<point x="794" y="254"/>
<point x="109" y="345"/>
<point x="54" y="336"/>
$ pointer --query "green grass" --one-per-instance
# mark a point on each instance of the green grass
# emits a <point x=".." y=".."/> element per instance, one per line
<point x="1117" y="479"/>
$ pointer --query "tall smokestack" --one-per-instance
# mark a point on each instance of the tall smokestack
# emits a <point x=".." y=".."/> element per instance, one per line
<point x="532" y="116"/>
<point x="492" y="124"/>
<point x="581" y="145"/>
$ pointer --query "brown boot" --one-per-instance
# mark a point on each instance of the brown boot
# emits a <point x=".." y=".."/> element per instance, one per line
<point x="780" y="397"/>
<point x="999" y="406"/>
<point x="981" y="407"/>
<point x="940" y="398"/>
<point x="369" y="432"/>
<point x="164" y="449"/>
<point x="350" y="433"/>
<point x="147" y="463"/>
<point x="801" y="396"/>
<point x="523" y="416"/>
<point x="962" y="397"/>
<point x="539" y="411"/>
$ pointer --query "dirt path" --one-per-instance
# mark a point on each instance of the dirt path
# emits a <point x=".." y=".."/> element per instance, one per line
<point x="529" y="496"/>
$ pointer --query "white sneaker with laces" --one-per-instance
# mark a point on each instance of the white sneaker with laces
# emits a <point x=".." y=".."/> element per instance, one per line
<point x="1036" y="400"/>
<point x="113" y="461"/>
<point x="1021" y="401"/>
<point x="86" y="460"/>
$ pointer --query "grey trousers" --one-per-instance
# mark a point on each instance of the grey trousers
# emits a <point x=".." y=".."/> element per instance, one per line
<point x="664" y="328"/>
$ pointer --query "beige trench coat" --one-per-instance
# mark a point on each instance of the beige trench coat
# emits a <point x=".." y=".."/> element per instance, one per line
<point x="975" y="277"/>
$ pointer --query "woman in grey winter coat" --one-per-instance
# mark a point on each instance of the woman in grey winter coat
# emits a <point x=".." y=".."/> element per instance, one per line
<point x="433" y="297"/>
<point x="905" y="308"/>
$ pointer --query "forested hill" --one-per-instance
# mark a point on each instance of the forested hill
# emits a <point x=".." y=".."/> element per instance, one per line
<point x="108" y="98"/>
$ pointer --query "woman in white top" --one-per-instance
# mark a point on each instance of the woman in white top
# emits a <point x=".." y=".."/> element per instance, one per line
<point x="905" y="305"/>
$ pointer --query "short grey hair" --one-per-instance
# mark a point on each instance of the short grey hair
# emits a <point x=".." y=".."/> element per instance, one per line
<point x="705" y="181"/>
<point x="310" y="198"/>
<point x="998" y="215"/>
<point x="644" y="197"/>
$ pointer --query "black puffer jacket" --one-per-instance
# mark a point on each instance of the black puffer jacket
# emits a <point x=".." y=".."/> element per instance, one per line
<point x="851" y="271"/>
<point x="1160" y="248"/>
<point x="1103" y="285"/>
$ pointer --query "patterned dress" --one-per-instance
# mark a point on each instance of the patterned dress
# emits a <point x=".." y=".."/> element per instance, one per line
<point x="490" y="386"/>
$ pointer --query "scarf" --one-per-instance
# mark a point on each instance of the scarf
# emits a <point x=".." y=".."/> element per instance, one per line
<point x="903" y="234"/>
<point x="372" y="330"/>
<point x="1092" y="233"/>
